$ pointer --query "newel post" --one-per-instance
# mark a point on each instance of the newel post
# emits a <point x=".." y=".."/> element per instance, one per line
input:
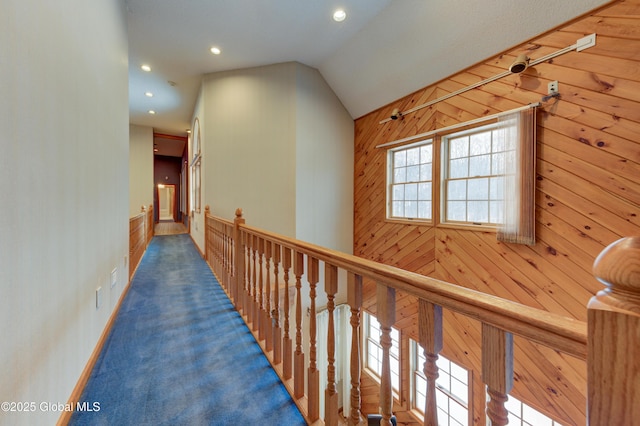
<point x="238" y="260"/>
<point x="613" y="360"/>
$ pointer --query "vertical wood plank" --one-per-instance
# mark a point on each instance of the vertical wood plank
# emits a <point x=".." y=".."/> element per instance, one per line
<point x="386" y="306"/>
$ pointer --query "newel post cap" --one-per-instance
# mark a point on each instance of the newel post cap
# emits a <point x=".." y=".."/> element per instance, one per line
<point x="618" y="268"/>
<point x="238" y="212"/>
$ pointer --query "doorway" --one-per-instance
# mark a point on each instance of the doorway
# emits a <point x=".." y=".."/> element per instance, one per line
<point x="166" y="202"/>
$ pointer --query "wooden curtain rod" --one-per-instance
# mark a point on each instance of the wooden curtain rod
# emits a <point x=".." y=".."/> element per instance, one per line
<point x="458" y="125"/>
<point x="580" y="45"/>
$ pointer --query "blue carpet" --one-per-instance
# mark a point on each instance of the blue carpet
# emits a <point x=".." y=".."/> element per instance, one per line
<point x="179" y="353"/>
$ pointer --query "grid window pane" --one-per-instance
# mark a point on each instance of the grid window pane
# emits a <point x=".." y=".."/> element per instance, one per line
<point x="521" y="414"/>
<point x="400" y="175"/>
<point x="459" y="147"/>
<point x="478" y="189"/>
<point x="476" y="157"/>
<point x="411" y="176"/>
<point x="459" y="168"/>
<point x="400" y="158"/>
<point x="452" y="388"/>
<point x="457" y="211"/>
<point x="374" y="351"/>
<point x="478" y="211"/>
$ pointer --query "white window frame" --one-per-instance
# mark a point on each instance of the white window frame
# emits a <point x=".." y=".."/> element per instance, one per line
<point x="479" y="189"/>
<point x="445" y="396"/>
<point x="373" y="350"/>
<point x="416" y="200"/>
<point x="196" y="167"/>
<point x="521" y="414"/>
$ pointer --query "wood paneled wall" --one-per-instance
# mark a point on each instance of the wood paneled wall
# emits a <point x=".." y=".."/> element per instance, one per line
<point x="587" y="196"/>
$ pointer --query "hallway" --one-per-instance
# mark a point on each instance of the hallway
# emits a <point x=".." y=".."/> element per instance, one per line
<point x="165" y="227"/>
<point x="180" y="354"/>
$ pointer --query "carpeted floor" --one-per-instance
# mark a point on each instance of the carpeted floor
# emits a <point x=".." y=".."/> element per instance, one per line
<point x="179" y="354"/>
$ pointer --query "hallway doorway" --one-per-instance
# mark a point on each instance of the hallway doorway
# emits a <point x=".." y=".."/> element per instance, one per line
<point x="166" y="202"/>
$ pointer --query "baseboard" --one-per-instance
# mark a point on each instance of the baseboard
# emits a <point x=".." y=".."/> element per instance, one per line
<point x="65" y="416"/>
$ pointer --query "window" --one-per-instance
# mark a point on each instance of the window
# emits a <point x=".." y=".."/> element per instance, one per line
<point x="520" y="414"/>
<point x="472" y="183"/>
<point x="452" y="388"/>
<point x="373" y="351"/>
<point x="196" y="164"/>
<point x="410" y="181"/>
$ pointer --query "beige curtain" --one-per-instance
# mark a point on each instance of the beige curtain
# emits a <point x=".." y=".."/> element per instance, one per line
<point x="519" y="178"/>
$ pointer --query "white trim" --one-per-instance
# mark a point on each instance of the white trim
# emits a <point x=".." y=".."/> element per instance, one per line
<point x="458" y="125"/>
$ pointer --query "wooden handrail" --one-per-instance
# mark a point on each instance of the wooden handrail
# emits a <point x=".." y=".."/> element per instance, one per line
<point x="240" y="255"/>
<point x="558" y="332"/>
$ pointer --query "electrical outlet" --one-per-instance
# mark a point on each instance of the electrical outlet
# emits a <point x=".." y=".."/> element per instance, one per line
<point x="552" y="88"/>
<point x="98" y="297"/>
<point x="114" y="277"/>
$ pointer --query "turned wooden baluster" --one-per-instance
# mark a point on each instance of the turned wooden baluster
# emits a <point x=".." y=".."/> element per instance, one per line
<point x="613" y="361"/>
<point x="247" y="291"/>
<point x="266" y="313"/>
<point x="386" y="306"/>
<point x="354" y="298"/>
<point x="286" y="340"/>
<point x="238" y="257"/>
<point x="497" y="371"/>
<point x="430" y="335"/>
<point x="228" y="258"/>
<point x="207" y="243"/>
<point x="275" y="314"/>
<point x="254" y="283"/>
<point x="260" y="300"/>
<point x="298" y="359"/>
<point x="313" y="374"/>
<point x="331" y="392"/>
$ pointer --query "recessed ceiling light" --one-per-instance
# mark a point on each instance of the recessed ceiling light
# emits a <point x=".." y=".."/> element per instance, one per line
<point x="148" y="94"/>
<point x="146" y="68"/>
<point x="215" y="51"/>
<point x="151" y="112"/>
<point x="339" y="15"/>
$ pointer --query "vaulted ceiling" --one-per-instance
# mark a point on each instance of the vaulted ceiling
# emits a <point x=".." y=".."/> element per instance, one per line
<point x="383" y="50"/>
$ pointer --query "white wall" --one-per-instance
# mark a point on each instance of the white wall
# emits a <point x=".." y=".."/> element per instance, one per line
<point x="324" y="164"/>
<point x="278" y="143"/>
<point x="197" y="220"/>
<point x="249" y="145"/>
<point x="64" y="182"/>
<point x="140" y="168"/>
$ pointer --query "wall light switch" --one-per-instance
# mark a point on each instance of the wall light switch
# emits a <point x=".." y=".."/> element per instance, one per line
<point x="98" y="297"/>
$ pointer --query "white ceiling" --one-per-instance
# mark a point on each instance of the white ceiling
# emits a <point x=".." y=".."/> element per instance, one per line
<point x="384" y="50"/>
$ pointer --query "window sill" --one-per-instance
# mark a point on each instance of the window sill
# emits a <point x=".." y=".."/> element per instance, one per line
<point x="468" y="227"/>
<point x="409" y="221"/>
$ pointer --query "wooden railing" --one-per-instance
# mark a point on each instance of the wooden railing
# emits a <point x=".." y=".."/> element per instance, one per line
<point x="254" y="265"/>
<point x="140" y="234"/>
